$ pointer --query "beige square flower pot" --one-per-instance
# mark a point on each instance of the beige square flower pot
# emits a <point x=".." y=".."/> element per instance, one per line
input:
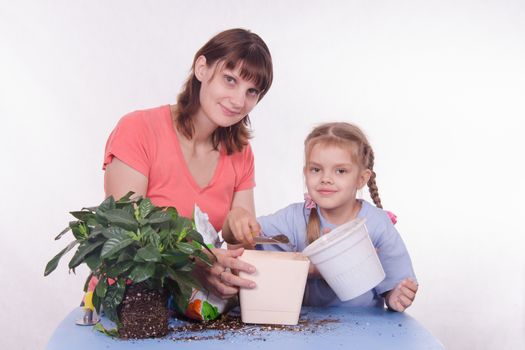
<point x="281" y="279"/>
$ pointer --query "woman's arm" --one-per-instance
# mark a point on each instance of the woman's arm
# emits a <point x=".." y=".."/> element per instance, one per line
<point x="221" y="277"/>
<point x="240" y="224"/>
<point x="120" y="178"/>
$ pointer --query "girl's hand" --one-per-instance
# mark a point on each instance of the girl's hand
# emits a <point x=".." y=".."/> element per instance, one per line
<point x="313" y="272"/>
<point x="240" y="227"/>
<point x="219" y="278"/>
<point x="402" y="296"/>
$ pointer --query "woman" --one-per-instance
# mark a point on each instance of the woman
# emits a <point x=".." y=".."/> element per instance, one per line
<point x="197" y="151"/>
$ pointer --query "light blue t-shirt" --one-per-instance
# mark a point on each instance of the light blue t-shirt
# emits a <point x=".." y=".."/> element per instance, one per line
<point x="291" y="221"/>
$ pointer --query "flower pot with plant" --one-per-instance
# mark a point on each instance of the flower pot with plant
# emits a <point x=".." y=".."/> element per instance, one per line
<point x="140" y="254"/>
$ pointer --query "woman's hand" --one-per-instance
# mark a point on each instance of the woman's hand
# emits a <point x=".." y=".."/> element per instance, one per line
<point x="240" y="226"/>
<point x="402" y="296"/>
<point x="219" y="278"/>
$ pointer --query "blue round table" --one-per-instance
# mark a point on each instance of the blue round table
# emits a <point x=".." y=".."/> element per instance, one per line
<point x="344" y="328"/>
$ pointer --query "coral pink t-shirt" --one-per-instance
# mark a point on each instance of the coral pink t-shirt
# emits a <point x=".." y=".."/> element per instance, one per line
<point x="146" y="141"/>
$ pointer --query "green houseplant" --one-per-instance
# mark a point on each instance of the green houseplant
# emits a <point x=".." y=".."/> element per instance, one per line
<point x="136" y="250"/>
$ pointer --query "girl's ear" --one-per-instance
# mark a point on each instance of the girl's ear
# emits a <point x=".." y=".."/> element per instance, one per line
<point x="200" y="68"/>
<point x="364" y="177"/>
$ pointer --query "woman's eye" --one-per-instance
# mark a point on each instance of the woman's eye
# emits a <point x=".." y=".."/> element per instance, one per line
<point x="253" y="92"/>
<point x="229" y="79"/>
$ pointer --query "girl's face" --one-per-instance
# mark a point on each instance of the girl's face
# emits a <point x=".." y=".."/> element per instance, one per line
<point x="333" y="178"/>
<point x="225" y="97"/>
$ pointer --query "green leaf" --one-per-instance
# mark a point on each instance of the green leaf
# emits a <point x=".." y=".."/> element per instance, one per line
<point x="113" y="299"/>
<point x="173" y="212"/>
<point x="186" y="248"/>
<point x="126" y="255"/>
<point x="93" y="260"/>
<point x="122" y="218"/>
<point x="180" y="299"/>
<point x="131" y="210"/>
<point x="63" y="232"/>
<point x="126" y="198"/>
<point x="110" y="308"/>
<point x="53" y="263"/>
<point x="194" y="235"/>
<point x="164" y="235"/>
<point x="80" y="231"/>
<point x="150" y="235"/>
<point x="114" y="245"/>
<point x="101" y="288"/>
<point x="115" y="232"/>
<point x="204" y="258"/>
<point x="107" y="204"/>
<point x="187" y="267"/>
<point x="142" y="272"/>
<point x="109" y="332"/>
<point x="185" y="280"/>
<point x="83" y="215"/>
<point x="145" y="208"/>
<point x="176" y="259"/>
<point x="94" y="233"/>
<point x="92" y="222"/>
<point x="100" y="213"/>
<point x="205" y="246"/>
<point x="119" y="269"/>
<point x="149" y="254"/>
<point x="84" y="249"/>
<point x="96" y="302"/>
<point x="159" y="217"/>
<point x="101" y="218"/>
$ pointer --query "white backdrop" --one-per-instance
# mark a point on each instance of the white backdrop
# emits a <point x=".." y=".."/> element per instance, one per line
<point x="437" y="85"/>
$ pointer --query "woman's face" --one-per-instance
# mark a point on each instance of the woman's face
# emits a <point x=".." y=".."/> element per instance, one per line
<point x="225" y="97"/>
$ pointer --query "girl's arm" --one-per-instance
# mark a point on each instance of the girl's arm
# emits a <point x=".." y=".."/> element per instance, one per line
<point x="402" y="296"/>
<point x="241" y="225"/>
<point x="120" y="178"/>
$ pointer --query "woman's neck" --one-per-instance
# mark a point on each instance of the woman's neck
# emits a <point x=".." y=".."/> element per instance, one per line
<point x="203" y="130"/>
<point x="340" y="215"/>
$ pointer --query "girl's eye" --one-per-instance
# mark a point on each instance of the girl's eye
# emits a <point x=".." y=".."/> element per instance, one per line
<point x="314" y="169"/>
<point x="341" y="171"/>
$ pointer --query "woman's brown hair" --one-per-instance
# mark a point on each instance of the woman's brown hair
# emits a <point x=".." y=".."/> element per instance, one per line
<point x="347" y="135"/>
<point x="233" y="47"/>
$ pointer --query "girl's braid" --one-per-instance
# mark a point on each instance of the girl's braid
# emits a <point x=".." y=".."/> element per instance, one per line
<point x="372" y="186"/>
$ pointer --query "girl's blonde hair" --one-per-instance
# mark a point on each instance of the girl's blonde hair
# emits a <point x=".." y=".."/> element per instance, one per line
<point x="341" y="134"/>
<point x="233" y="47"/>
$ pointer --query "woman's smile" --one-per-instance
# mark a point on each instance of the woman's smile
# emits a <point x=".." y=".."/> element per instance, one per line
<point x="228" y="112"/>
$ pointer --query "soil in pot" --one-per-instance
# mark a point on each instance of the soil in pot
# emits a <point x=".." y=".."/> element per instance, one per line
<point x="143" y="313"/>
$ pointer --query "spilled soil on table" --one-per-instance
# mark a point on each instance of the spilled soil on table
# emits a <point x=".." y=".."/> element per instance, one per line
<point x="228" y="326"/>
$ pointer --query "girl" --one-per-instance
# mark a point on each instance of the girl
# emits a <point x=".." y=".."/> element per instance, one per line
<point x="338" y="162"/>
<point x="197" y="151"/>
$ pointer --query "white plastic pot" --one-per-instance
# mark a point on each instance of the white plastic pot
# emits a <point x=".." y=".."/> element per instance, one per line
<point x="281" y="279"/>
<point x="347" y="259"/>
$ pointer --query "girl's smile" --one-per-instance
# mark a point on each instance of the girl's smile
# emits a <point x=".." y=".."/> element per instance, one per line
<point x="326" y="192"/>
<point x="333" y="178"/>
